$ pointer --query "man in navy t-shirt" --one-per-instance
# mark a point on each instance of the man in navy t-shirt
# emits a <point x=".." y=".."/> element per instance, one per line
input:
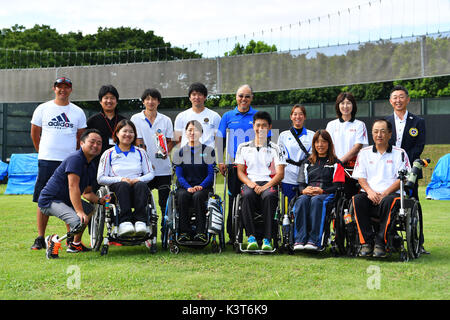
<point x="61" y="196"/>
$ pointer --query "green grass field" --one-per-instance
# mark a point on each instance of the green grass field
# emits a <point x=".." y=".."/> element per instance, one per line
<point x="132" y="273"/>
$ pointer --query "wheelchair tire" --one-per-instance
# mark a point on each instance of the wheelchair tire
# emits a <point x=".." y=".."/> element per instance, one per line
<point x="413" y="230"/>
<point x="236" y="223"/>
<point x="97" y="223"/>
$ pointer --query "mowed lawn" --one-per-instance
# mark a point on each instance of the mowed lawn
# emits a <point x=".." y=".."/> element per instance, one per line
<point x="133" y="273"/>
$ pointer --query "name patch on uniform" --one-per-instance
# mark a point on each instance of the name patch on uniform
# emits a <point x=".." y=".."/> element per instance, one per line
<point x="413" y="132"/>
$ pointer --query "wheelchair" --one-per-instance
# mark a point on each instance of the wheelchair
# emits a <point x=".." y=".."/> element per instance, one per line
<point x="328" y="234"/>
<point x="238" y="228"/>
<point x="343" y="224"/>
<point x="109" y="214"/>
<point x="404" y="230"/>
<point x="170" y="235"/>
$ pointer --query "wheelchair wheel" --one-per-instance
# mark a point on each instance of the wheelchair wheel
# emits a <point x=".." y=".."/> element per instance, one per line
<point x="413" y="230"/>
<point x="98" y="223"/>
<point x="236" y="223"/>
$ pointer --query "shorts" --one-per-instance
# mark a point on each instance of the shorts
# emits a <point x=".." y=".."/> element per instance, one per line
<point x="66" y="213"/>
<point x="46" y="168"/>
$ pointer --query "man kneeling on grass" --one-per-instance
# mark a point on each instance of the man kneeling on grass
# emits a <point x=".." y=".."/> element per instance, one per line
<point x="61" y="197"/>
<point x="260" y="167"/>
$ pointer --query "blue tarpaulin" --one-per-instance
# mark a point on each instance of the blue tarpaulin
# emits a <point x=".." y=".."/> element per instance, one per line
<point x="439" y="187"/>
<point x="22" y="173"/>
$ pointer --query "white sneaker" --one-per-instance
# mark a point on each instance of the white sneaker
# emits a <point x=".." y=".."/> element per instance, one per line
<point x="299" y="246"/>
<point x="141" y="228"/>
<point x="312" y="247"/>
<point x="126" y="229"/>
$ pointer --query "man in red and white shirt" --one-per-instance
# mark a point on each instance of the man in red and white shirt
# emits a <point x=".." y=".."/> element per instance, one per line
<point x="376" y="170"/>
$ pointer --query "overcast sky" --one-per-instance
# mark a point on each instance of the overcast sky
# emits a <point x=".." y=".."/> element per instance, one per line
<point x="182" y="22"/>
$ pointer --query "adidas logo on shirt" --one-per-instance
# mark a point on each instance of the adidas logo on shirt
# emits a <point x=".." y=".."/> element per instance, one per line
<point x="60" y="121"/>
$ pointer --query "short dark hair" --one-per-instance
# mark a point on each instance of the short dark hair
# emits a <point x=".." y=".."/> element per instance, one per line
<point x="341" y="97"/>
<point x="198" y="87"/>
<point x="87" y="132"/>
<point x="152" y="93"/>
<point x="196" y="124"/>
<point x="109" y="88"/>
<point x="388" y="124"/>
<point x="264" y="115"/>
<point x="120" y="125"/>
<point x="399" y="87"/>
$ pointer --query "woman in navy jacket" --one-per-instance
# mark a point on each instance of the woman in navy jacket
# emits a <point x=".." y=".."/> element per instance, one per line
<point x="195" y="175"/>
<point x="319" y="178"/>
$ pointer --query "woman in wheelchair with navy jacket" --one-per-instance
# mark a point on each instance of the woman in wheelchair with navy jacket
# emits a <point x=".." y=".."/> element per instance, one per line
<point x="126" y="169"/>
<point x="319" y="178"/>
<point x="195" y="178"/>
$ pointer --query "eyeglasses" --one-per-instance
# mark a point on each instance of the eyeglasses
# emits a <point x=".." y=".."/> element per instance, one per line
<point x="247" y="96"/>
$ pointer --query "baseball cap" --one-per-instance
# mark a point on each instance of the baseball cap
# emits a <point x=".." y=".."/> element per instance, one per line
<point x="63" y="80"/>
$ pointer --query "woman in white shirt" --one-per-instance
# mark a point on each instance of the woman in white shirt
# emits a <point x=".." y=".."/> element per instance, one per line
<point x="126" y="169"/>
<point x="349" y="135"/>
<point x="295" y="154"/>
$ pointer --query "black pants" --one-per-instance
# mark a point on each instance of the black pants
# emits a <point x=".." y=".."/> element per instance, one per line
<point x="162" y="184"/>
<point x="364" y="210"/>
<point x="131" y="196"/>
<point x="197" y="200"/>
<point x="234" y="187"/>
<point x="265" y="204"/>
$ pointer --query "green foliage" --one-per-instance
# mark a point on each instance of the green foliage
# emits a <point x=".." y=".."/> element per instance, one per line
<point x="43" y="46"/>
<point x="251" y="47"/>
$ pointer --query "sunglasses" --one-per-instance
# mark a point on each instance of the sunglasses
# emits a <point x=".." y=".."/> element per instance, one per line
<point x="63" y="80"/>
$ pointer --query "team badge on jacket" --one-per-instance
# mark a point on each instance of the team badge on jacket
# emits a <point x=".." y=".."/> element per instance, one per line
<point x="413" y="132"/>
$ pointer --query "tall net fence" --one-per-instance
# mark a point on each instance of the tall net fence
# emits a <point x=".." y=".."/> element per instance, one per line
<point x="383" y="60"/>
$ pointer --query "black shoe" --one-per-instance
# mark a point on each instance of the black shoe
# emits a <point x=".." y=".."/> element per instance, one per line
<point x="201" y="237"/>
<point x="379" y="252"/>
<point x="229" y="243"/>
<point x="423" y="251"/>
<point x="366" y="250"/>
<point x="39" y="243"/>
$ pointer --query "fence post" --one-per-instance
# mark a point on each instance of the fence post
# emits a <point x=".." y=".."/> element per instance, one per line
<point x="219" y="80"/>
<point x="4" y="131"/>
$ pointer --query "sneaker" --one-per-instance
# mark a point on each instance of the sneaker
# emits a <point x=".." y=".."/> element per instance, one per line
<point x="311" y="246"/>
<point x="202" y="237"/>
<point x="299" y="246"/>
<point x="53" y="247"/>
<point x="266" y="246"/>
<point x="251" y="243"/>
<point x="39" y="243"/>
<point x="379" y="252"/>
<point x="126" y="229"/>
<point x="141" y="229"/>
<point x="184" y="237"/>
<point x="75" y="248"/>
<point x="366" y="250"/>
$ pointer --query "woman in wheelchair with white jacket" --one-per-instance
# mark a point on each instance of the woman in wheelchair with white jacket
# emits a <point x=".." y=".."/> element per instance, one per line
<point x="126" y="169"/>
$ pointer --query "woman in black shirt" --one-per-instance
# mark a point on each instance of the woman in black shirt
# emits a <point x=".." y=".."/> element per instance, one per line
<point x="319" y="178"/>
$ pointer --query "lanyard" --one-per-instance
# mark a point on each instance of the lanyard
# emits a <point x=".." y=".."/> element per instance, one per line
<point x="107" y="122"/>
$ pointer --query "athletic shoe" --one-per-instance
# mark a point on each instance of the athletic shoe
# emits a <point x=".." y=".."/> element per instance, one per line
<point x="299" y="246"/>
<point x="251" y="243"/>
<point x="312" y="247"/>
<point x="379" y="252"/>
<point x="266" y="246"/>
<point x="202" y="237"/>
<point x="53" y="247"/>
<point x="126" y="229"/>
<point x="39" y="243"/>
<point x="75" y="248"/>
<point x="366" y="250"/>
<point x="141" y="229"/>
